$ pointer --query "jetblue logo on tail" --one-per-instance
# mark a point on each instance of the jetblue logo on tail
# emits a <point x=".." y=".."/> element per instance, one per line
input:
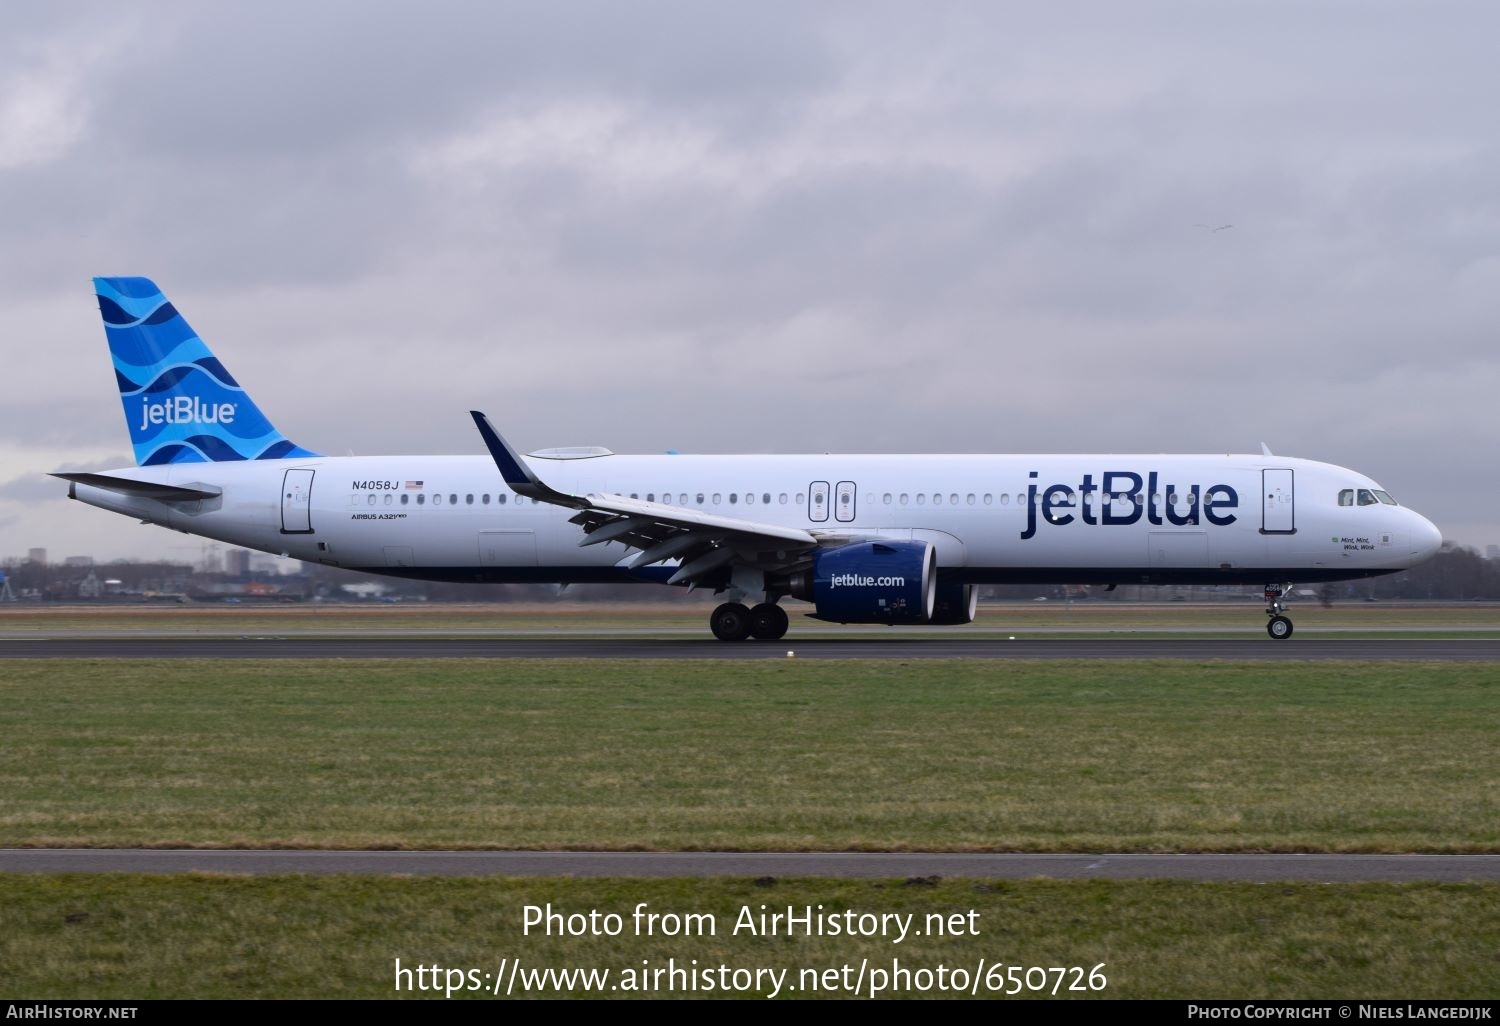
<point x="185" y="409"/>
<point x="181" y="404"/>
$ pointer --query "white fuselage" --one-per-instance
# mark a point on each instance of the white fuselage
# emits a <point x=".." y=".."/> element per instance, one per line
<point x="991" y="519"/>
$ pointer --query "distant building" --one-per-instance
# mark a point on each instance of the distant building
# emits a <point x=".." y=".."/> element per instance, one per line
<point x="265" y="563"/>
<point x="37" y="556"/>
<point x="78" y="561"/>
<point x="237" y="562"/>
<point x="1492" y="552"/>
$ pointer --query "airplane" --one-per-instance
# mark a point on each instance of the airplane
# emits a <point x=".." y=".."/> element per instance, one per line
<point x="872" y="539"/>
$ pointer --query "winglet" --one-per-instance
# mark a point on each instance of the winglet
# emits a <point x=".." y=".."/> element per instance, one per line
<point x="516" y="474"/>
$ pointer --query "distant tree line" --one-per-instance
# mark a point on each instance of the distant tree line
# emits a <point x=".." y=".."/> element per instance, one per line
<point x="1456" y="574"/>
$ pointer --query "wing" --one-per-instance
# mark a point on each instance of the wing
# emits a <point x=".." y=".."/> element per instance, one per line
<point x="705" y="543"/>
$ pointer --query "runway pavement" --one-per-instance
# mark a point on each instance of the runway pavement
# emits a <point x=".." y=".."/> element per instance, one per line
<point x="895" y="646"/>
<point x="1338" y="868"/>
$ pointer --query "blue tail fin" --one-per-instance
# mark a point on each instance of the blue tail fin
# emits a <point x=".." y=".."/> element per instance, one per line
<point x="181" y="405"/>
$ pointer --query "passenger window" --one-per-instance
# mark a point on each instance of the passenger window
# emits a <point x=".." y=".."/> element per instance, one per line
<point x="500" y="499"/>
<point x="766" y="498"/>
<point x="800" y="498"/>
<point x="1004" y="498"/>
<point x="404" y="498"/>
<point x="953" y="499"/>
<point x="887" y="498"/>
<point x="469" y="499"/>
<point x="716" y="498"/>
<point x="437" y="500"/>
<point x="921" y="499"/>
<point x="388" y="499"/>
<point x="453" y="498"/>
<point x="700" y="498"/>
<point x="1367" y="497"/>
<point x="1346" y="497"/>
<point x="782" y="498"/>
<point x="749" y="498"/>
<point x="485" y="498"/>
<point x="682" y="499"/>
<point x="372" y="498"/>
<point x="971" y="498"/>
<point x="734" y="497"/>
<point x="421" y="498"/>
<point x="937" y="498"/>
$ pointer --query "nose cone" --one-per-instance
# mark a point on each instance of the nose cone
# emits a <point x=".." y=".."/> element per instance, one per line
<point x="1426" y="539"/>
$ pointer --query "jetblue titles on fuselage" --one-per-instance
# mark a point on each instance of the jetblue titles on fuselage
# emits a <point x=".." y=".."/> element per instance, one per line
<point x="1123" y="505"/>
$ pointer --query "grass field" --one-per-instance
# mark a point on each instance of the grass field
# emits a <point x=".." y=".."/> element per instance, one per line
<point x="775" y="755"/>
<point x="308" y="937"/>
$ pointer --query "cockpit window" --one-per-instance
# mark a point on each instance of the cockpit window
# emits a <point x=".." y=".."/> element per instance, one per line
<point x="1367" y="497"/>
<point x="1346" y="497"/>
<point x="1385" y="497"/>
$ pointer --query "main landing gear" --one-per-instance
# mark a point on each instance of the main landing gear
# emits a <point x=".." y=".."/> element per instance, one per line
<point x="1280" y="625"/>
<point x="734" y="622"/>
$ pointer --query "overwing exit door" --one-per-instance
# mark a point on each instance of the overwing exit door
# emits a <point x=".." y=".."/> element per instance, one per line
<point x="843" y="509"/>
<point x="817" y="502"/>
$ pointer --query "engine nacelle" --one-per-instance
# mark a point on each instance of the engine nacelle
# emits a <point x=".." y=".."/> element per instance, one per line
<point x="872" y="582"/>
<point x="956" y="604"/>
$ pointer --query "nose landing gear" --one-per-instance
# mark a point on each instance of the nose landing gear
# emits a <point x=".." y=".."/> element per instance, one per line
<point x="1280" y="625"/>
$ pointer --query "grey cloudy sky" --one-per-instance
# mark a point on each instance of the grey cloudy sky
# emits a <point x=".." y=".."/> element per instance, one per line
<point x="766" y="227"/>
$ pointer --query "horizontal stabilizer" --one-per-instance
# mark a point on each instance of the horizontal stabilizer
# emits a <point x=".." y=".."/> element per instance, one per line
<point x="142" y="489"/>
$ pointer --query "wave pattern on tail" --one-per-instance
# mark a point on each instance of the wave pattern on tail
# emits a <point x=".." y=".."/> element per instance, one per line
<point x="181" y="404"/>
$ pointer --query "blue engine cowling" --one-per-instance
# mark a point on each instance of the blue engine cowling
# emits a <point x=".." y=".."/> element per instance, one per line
<point x="874" y="582"/>
<point x="956" y="604"/>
